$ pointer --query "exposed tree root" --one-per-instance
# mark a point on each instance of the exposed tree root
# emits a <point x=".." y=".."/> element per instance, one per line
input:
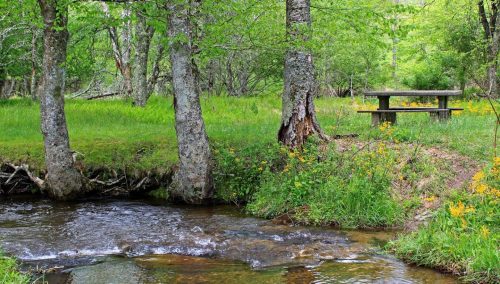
<point x="102" y="182"/>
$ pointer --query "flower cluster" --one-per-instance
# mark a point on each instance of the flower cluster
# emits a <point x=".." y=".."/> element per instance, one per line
<point x="484" y="182"/>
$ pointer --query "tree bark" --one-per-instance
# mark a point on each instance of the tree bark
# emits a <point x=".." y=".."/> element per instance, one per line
<point x="3" y="76"/>
<point x="193" y="179"/>
<point x="298" y="119"/>
<point x="121" y="52"/>
<point x="63" y="180"/>
<point x="33" y="63"/>
<point x="492" y="36"/>
<point x="144" y="33"/>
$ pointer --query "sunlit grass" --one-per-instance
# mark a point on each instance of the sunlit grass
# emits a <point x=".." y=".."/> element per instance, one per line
<point x="463" y="235"/>
<point x="111" y="133"/>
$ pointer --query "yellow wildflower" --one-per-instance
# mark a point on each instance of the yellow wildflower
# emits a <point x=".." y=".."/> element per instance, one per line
<point x="470" y="209"/>
<point x="457" y="211"/>
<point x="381" y="149"/>
<point x="495" y="192"/>
<point x="287" y="168"/>
<point x="430" y="199"/>
<point x="481" y="188"/>
<point x="478" y="176"/>
<point x="485" y="232"/>
<point x="464" y="223"/>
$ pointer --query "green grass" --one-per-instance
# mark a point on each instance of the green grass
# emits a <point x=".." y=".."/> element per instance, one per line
<point x="9" y="273"/>
<point x="112" y="133"/>
<point x="343" y="189"/>
<point x="464" y="234"/>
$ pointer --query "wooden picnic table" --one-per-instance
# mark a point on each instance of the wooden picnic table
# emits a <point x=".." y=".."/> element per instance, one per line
<point x="385" y="113"/>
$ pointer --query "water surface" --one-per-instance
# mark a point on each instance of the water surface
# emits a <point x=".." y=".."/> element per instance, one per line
<point x="146" y="242"/>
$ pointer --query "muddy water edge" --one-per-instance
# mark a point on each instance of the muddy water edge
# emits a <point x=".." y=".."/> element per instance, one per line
<point x="145" y="241"/>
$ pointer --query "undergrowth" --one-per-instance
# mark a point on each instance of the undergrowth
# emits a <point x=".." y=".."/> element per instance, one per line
<point x="464" y="235"/>
<point x="364" y="186"/>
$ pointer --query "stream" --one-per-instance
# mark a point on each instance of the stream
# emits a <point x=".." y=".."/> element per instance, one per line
<point x="141" y="241"/>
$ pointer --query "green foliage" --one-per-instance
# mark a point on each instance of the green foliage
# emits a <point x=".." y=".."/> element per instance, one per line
<point x="159" y="193"/>
<point x="431" y="75"/>
<point x="463" y="235"/>
<point x="325" y="187"/>
<point x="9" y="271"/>
<point x="238" y="172"/>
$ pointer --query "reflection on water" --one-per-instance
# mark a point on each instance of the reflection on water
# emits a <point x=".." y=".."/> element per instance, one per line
<point x="142" y="242"/>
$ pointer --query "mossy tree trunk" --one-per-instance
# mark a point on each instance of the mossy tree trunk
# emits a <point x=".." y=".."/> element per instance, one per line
<point x="63" y="180"/>
<point x="298" y="119"/>
<point x="193" y="179"/>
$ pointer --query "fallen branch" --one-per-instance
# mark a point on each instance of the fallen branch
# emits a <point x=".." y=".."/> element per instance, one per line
<point x="103" y="96"/>
<point x="342" y="136"/>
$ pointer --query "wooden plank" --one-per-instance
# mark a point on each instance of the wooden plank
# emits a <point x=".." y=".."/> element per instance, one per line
<point x="429" y="93"/>
<point x="422" y="108"/>
<point x="407" y="110"/>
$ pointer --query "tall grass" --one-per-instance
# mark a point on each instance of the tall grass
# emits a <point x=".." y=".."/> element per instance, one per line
<point x="9" y="271"/>
<point x="112" y="132"/>
<point x="464" y="234"/>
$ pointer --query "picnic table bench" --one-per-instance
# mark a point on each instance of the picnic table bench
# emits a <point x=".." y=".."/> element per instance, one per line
<point x="385" y="113"/>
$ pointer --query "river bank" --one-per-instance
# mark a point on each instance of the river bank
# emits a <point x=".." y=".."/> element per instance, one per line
<point x="388" y="177"/>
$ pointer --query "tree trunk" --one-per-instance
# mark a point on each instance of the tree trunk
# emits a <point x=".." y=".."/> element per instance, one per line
<point x="121" y="52"/>
<point x="155" y="72"/>
<point x="492" y="36"/>
<point x="193" y="180"/>
<point x="395" y="41"/>
<point x="127" y="48"/>
<point x="3" y="76"/>
<point x="298" y="119"/>
<point x="63" y="180"/>
<point x="33" y="64"/>
<point x="144" y="34"/>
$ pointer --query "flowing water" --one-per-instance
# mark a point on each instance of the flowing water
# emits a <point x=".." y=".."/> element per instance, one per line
<point x="145" y="242"/>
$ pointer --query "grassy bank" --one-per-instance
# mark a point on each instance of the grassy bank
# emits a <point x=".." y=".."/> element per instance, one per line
<point x="111" y="133"/>
<point x="464" y="234"/>
<point x="9" y="271"/>
<point x="383" y="178"/>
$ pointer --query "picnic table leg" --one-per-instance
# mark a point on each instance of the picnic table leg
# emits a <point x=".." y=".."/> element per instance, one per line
<point x="378" y="118"/>
<point x="442" y="115"/>
<point x="383" y="103"/>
